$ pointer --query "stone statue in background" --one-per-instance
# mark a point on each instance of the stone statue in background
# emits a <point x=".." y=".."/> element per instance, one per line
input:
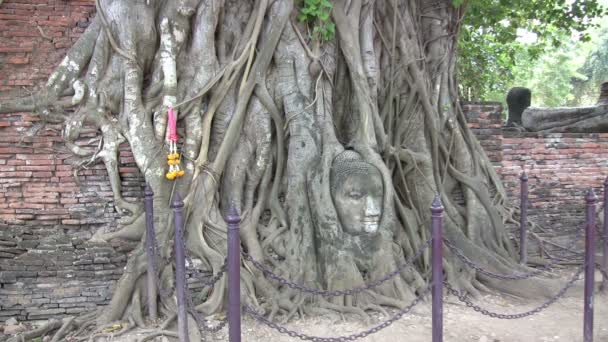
<point x="518" y="99"/>
<point x="592" y="119"/>
<point x="357" y="192"/>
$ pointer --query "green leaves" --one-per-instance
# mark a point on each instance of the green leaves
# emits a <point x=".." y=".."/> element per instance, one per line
<point x="318" y="13"/>
<point x="489" y="44"/>
<point x="595" y="66"/>
<point x="457" y="3"/>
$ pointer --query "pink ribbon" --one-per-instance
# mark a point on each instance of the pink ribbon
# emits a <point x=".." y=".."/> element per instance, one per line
<point x="171" y="117"/>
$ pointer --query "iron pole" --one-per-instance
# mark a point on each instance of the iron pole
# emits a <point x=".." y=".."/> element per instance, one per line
<point x="589" y="265"/>
<point x="437" y="263"/>
<point x="180" y="269"/>
<point x="605" y="237"/>
<point x="523" y="219"/>
<point x="234" y="275"/>
<point x="150" y="252"/>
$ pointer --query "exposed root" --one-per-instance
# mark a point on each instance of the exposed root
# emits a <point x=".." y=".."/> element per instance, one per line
<point x="157" y="333"/>
<point x="51" y="325"/>
<point x="132" y="232"/>
<point x="64" y="330"/>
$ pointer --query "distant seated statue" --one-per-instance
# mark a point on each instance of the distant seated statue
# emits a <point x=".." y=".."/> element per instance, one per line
<point x="592" y="119"/>
<point x="518" y="99"/>
<point x="357" y="192"/>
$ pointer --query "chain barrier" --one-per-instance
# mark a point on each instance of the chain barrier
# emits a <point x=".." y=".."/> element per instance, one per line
<point x="463" y="298"/>
<point x="329" y="293"/>
<point x="602" y="235"/>
<point x="164" y="293"/>
<point x="207" y="281"/>
<point x="460" y="254"/>
<point x="202" y="276"/>
<point x="284" y="330"/>
<point x="520" y="276"/>
<point x="569" y="248"/>
<point x="600" y="269"/>
<point x="202" y="324"/>
<point x="198" y="274"/>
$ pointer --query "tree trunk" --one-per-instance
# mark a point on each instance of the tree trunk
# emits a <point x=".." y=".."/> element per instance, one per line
<point x="332" y="151"/>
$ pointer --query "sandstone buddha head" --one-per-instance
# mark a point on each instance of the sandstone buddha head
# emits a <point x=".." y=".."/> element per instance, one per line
<point x="357" y="191"/>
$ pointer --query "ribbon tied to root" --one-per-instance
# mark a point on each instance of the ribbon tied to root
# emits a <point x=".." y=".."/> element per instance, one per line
<point x="173" y="159"/>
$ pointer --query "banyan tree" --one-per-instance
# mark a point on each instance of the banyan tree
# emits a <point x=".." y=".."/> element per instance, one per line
<point x="329" y="126"/>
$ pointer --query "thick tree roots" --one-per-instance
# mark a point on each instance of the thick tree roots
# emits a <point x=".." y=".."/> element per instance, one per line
<point x="263" y="111"/>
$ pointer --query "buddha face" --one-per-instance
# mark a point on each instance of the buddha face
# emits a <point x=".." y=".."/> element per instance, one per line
<point x="358" y="200"/>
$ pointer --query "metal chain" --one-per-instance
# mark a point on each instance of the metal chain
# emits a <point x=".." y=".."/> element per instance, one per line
<point x="204" y="277"/>
<point x="200" y="321"/>
<point x="463" y="298"/>
<point x="460" y="254"/>
<point x="578" y="255"/>
<point x="327" y="293"/>
<point x="165" y="293"/>
<point x="577" y="237"/>
<point x="520" y="276"/>
<point x="603" y="272"/>
<point x="603" y="235"/>
<point x="284" y="330"/>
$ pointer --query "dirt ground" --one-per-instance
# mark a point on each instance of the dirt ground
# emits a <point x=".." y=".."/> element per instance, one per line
<point x="563" y="321"/>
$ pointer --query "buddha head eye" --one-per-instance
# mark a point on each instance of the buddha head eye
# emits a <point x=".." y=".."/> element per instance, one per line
<point x="355" y="194"/>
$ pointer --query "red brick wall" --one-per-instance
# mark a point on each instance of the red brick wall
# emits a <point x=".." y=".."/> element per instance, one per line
<point x="560" y="166"/>
<point x="42" y="186"/>
<point x="34" y="36"/>
<point x="47" y="267"/>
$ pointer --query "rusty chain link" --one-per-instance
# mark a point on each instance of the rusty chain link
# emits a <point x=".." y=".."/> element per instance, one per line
<point x="463" y="298"/>
<point x="329" y="293"/>
<point x="284" y="330"/>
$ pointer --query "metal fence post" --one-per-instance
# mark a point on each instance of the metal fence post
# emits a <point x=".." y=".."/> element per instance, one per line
<point x="605" y="237"/>
<point x="234" y="275"/>
<point x="589" y="265"/>
<point x="180" y="268"/>
<point x="150" y="252"/>
<point x="523" y="219"/>
<point x="437" y="263"/>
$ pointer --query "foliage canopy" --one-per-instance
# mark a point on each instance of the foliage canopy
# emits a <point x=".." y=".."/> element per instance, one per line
<point x="492" y="38"/>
